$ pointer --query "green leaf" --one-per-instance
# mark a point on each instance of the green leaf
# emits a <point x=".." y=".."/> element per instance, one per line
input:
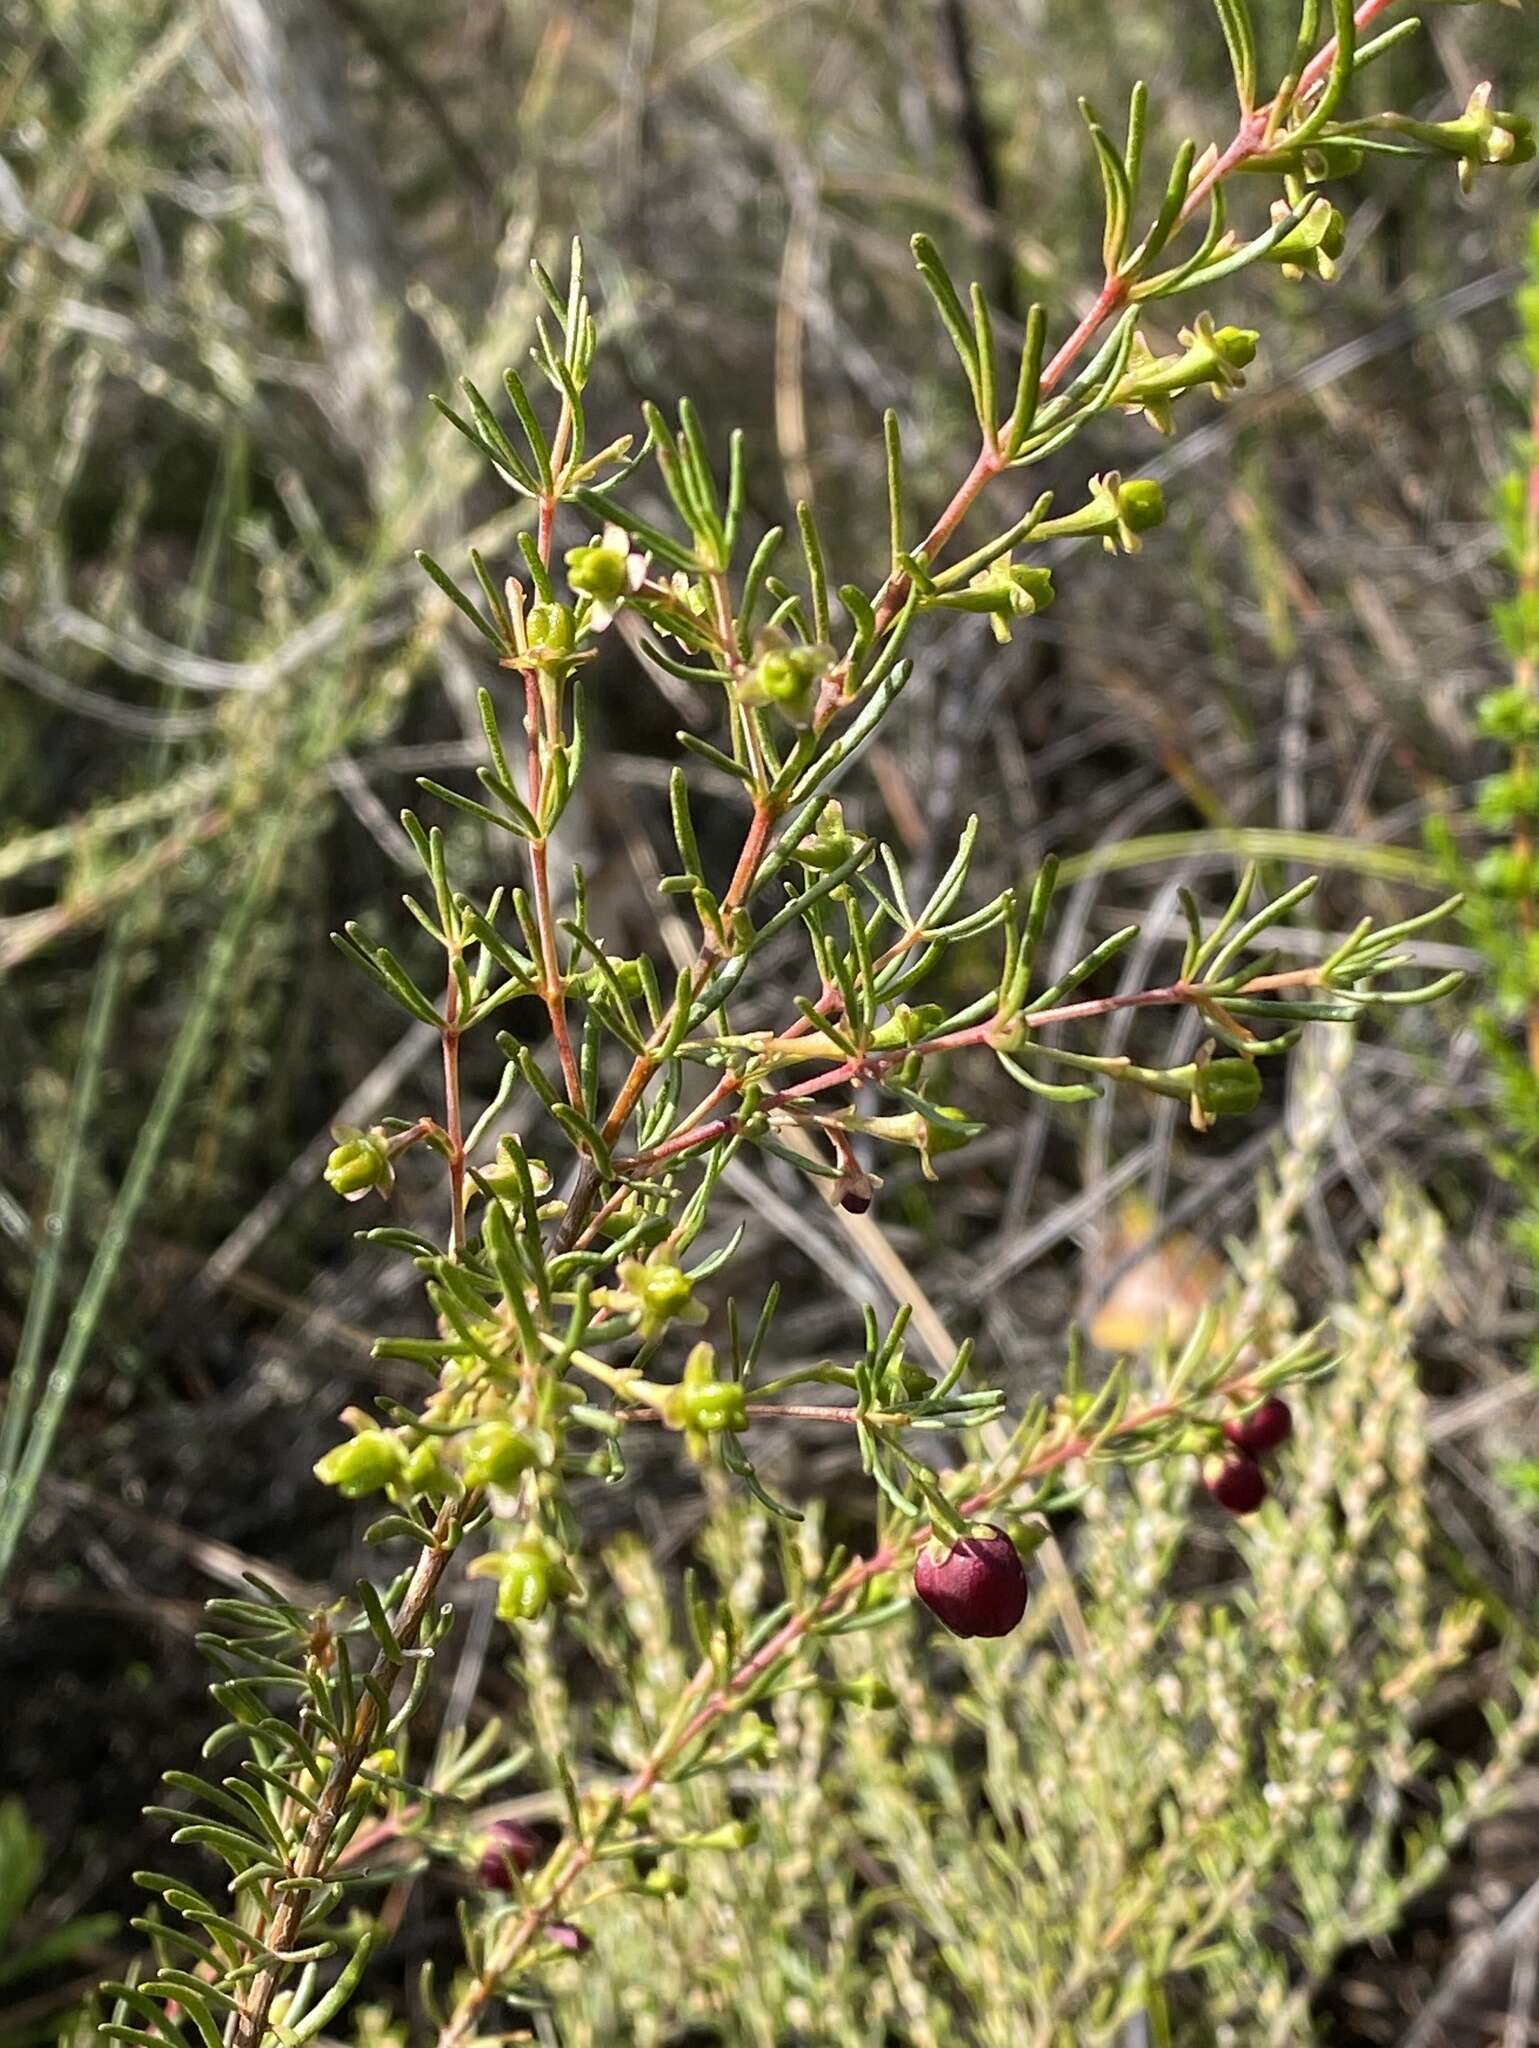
<point x="1116" y="198"/>
<point x="1240" y="41"/>
<point x="458" y="599"/>
<point x="953" y="318"/>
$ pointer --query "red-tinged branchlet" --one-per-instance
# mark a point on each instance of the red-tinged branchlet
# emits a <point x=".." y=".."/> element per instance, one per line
<point x="1238" y="1484"/>
<point x="1264" y="1430"/>
<point x="977" y="1587"/>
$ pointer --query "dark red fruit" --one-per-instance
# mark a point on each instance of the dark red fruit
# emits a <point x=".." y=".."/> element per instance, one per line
<point x="1238" y="1485"/>
<point x="510" y="1848"/>
<point x="856" y="1200"/>
<point x="1264" y="1429"/>
<point x="978" y="1588"/>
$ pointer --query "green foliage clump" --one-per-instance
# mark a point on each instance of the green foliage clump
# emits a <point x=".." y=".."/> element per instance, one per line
<point x="1501" y="885"/>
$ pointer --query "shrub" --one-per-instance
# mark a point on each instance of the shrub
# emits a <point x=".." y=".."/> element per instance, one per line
<point x="566" y="1288"/>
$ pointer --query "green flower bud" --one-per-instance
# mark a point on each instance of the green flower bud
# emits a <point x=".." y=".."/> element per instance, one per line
<point x="386" y="1763"/>
<point x="529" y="1577"/>
<point x="590" y="982"/>
<point x="597" y="571"/>
<point x="828" y="845"/>
<point x="364" y="1464"/>
<point x="943" y="1140"/>
<point x="1141" y="504"/>
<point x="1119" y="512"/>
<point x="663" y="1882"/>
<point x="524" y="1588"/>
<point x="1482" y="134"/>
<point x="904" y="1382"/>
<point x="788" y="678"/>
<point x="781" y="680"/>
<point x="714" y="1408"/>
<point x="550" y="629"/>
<point x="732" y="1834"/>
<point x="1311" y="245"/>
<point x="1235" y="347"/>
<point x="1006" y="591"/>
<point x="1214" y="356"/>
<point x="502" y="1173"/>
<point x="665" y="1291"/>
<point x="908" y="1025"/>
<point x="426" y="1472"/>
<point x="496" y="1455"/>
<point x="1227" y="1088"/>
<point x="359" y="1163"/>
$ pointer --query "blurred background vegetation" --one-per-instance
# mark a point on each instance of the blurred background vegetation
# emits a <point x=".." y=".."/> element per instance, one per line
<point x="241" y="242"/>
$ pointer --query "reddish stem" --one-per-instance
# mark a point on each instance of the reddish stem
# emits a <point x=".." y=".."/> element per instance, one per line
<point x="874" y="1063"/>
<point x="453" y="1119"/>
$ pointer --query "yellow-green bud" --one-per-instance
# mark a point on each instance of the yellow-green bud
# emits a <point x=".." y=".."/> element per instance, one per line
<point x="550" y="629"/>
<point x="1235" y="346"/>
<point x="529" y="1577"/>
<point x="904" y="1382"/>
<point x="714" y="1407"/>
<point x="829" y="845"/>
<point x="665" y="1291"/>
<point x="363" y="1464"/>
<point x="1141" y="504"/>
<point x="358" y="1163"/>
<point x="1313" y="243"/>
<point x="732" y="1834"/>
<point x="597" y="571"/>
<point x="427" y="1473"/>
<point x="943" y="1140"/>
<point x="908" y="1025"/>
<point x="496" y="1455"/>
<point x="1007" y="591"/>
<point x="383" y="1761"/>
<point x="786" y="677"/>
<point x="1227" y="1087"/>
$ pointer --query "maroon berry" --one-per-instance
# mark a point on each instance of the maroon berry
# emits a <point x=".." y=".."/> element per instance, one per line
<point x="1238" y="1485"/>
<point x="570" y="1938"/>
<point x="1264" y="1430"/>
<point x="510" y="1847"/>
<point x="855" y="1201"/>
<point x="978" y="1588"/>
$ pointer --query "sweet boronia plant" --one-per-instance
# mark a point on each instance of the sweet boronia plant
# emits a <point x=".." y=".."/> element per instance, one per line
<point x="566" y="1292"/>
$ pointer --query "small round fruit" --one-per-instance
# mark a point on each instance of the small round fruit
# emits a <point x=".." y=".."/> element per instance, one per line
<point x="1238" y="1485"/>
<point x="511" y="1848"/>
<point x="1265" y="1429"/>
<point x="977" y="1588"/>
